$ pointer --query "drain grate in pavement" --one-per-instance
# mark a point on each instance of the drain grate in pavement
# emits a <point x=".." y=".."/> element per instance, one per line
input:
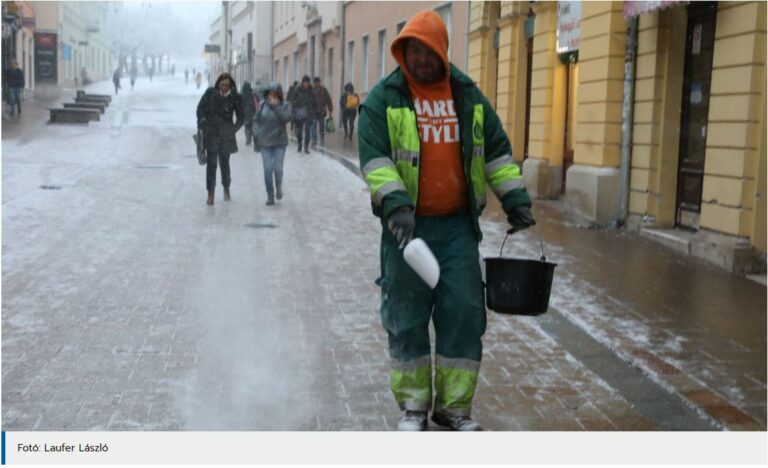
<point x="152" y="167"/>
<point x="261" y="225"/>
<point x="50" y="187"/>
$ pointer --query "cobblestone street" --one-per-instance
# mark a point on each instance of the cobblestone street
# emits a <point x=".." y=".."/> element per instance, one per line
<point x="128" y="304"/>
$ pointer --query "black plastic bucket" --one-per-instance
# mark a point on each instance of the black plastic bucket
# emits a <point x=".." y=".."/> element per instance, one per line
<point x="518" y="286"/>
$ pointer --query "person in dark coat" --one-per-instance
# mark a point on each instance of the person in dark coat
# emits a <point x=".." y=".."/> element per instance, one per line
<point x="289" y="97"/>
<point x="116" y="79"/>
<point x="303" y="111"/>
<point x="323" y="108"/>
<point x="214" y="117"/>
<point x="270" y="121"/>
<point x="15" y="86"/>
<point x="249" y="107"/>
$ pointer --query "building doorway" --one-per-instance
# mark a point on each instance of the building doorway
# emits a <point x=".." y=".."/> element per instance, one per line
<point x="697" y="77"/>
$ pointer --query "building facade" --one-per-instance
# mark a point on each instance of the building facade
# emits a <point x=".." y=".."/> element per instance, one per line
<point x="73" y="41"/>
<point x="18" y="29"/>
<point x="689" y="114"/>
<point x="250" y="49"/>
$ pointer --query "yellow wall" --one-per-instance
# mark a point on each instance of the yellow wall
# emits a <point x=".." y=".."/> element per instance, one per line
<point x="656" y="120"/>
<point x="601" y="84"/>
<point x="482" y="56"/>
<point x="547" y="119"/>
<point x="510" y="97"/>
<point x="735" y="112"/>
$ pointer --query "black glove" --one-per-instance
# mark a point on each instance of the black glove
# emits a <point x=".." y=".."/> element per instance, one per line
<point x="520" y="218"/>
<point x="401" y="224"/>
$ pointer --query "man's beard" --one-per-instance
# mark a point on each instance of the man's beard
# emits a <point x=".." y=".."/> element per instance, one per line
<point x="428" y="76"/>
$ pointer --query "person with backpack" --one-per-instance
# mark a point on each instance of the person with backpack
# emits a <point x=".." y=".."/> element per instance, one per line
<point x="214" y="116"/>
<point x="349" y="103"/>
<point x="272" y="138"/>
<point x="303" y="111"/>
<point x="323" y="107"/>
<point x="249" y="107"/>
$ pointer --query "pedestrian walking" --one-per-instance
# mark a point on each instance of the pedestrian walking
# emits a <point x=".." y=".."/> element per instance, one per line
<point x="15" y="87"/>
<point x="270" y="132"/>
<point x="198" y="79"/>
<point x="186" y="75"/>
<point x="429" y="141"/>
<point x="303" y="105"/>
<point x="134" y="74"/>
<point x="152" y="73"/>
<point x="249" y="108"/>
<point x="323" y="108"/>
<point x="290" y="97"/>
<point x="116" y="79"/>
<point x="214" y="117"/>
<point x="349" y="104"/>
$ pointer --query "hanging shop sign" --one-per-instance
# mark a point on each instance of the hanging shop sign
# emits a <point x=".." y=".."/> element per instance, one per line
<point x="635" y="8"/>
<point x="45" y="57"/>
<point x="568" y="26"/>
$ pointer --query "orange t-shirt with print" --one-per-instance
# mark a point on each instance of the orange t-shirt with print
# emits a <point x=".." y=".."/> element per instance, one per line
<point x="442" y="185"/>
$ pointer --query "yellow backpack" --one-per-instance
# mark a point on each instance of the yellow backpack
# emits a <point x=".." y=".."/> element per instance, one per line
<point x="353" y="102"/>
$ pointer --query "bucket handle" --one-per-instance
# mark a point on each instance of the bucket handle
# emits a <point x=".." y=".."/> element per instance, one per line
<point x="513" y="231"/>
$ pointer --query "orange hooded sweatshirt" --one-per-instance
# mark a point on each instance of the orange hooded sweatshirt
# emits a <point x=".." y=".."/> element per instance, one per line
<point x="442" y="186"/>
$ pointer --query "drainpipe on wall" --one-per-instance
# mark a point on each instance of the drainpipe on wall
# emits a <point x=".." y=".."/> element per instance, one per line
<point x="343" y="48"/>
<point x="626" y="118"/>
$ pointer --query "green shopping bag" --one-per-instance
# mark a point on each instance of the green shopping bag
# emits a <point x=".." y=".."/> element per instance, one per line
<point x="330" y="126"/>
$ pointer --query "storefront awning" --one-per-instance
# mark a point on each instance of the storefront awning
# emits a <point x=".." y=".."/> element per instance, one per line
<point x="639" y="7"/>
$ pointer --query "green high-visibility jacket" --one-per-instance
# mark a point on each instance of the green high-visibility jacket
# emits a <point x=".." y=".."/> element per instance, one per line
<point x="389" y="147"/>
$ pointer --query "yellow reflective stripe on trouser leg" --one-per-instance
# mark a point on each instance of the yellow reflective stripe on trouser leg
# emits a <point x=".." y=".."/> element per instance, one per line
<point x="411" y="383"/>
<point x="455" y="383"/>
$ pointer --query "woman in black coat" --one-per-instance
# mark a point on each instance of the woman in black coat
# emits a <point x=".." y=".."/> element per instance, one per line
<point x="214" y="117"/>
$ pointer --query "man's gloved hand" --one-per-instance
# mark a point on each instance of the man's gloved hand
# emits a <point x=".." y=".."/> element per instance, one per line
<point x="520" y="218"/>
<point x="401" y="224"/>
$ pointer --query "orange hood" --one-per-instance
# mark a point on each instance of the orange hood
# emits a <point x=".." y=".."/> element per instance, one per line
<point x="428" y="27"/>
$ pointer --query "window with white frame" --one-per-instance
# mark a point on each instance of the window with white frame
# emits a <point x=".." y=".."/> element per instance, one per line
<point x="382" y="55"/>
<point x="364" y="63"/>
<point x="351" y="62"/>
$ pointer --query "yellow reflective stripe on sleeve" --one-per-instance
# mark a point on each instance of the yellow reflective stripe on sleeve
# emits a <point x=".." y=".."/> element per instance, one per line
<point x="505" y="178"/>
<point x="498" y="162"/>
<point x="382" y="181"/>
<point x="378" y="197"/>
<point x="377" y="163"/>
<point x="478" y="129"/>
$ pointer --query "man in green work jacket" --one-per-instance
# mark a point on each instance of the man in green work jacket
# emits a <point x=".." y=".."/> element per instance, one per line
<point x="429" y="142"/>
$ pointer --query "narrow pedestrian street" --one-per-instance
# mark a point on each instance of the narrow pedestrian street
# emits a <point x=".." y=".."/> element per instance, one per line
<point x="128" y="304"/>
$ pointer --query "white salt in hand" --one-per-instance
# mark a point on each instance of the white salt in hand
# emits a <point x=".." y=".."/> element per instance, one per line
<point x="418" y="256"/>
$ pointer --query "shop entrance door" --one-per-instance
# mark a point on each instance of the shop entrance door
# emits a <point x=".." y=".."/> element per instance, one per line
<point x="697" y="77"/>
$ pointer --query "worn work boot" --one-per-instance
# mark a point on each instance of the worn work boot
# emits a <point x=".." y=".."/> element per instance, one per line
<point x="456" y="423"/>
<point x="210" y="198"/>
<point x="226" y="194"/>
<point x="279" y="191"/>
<point x="413" y="421"/>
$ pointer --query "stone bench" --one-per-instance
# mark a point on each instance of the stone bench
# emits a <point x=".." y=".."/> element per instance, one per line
<point x="92" y="99"/>
<point x="68" y="115"/>
<point x="85" y="105"/>
<point x="80" y="93"/>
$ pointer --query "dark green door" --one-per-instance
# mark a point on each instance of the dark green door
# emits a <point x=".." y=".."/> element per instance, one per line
<point x="699" y="48"/>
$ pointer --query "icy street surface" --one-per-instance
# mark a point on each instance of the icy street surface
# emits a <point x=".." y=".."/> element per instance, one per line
<point x="128" y="304"/>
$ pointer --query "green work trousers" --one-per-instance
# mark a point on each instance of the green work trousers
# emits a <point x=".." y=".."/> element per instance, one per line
<point x="456" y="307"/>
